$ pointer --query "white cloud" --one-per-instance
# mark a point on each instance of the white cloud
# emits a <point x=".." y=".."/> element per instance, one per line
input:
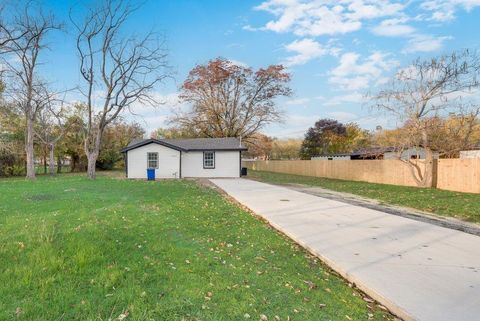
<point x="417" y="42"/>
<point x="393" y="28"/>
<point x="153" y="117"/>
<point x="315" y="18"/>
<point x="298" y="101"/>
<point x="355" y="97"/>
<point x="302" y="120"/>
<point x="343" y="116"/>
<point x="238" y="63"/>
<point x="353" y="74"/>
<point x="424" y="43"/>
<point x="373" y="9"/>
<point x="444" y="10"/>
<point x="251" y="28"/>
<point x="305" y="50"/>
<point x="297" y="126"/>
<point x="165" y="101"/>
<point x="149" y="123"/>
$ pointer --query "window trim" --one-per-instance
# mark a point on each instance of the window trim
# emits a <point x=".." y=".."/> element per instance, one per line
<point x="148" y="160"/>
<point x="213" y="153"/>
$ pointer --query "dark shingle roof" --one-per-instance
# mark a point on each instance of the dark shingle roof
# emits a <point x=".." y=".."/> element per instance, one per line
<point x="191" y="144"/>
<point x="135" y="141"/>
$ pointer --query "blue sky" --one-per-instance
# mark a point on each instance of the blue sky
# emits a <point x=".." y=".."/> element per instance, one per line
<point x="335" y="50"/>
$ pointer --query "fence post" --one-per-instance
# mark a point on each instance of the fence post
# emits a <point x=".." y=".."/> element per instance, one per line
<point x="435" y="173"/>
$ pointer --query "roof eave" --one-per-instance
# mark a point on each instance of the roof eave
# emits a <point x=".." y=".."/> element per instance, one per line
<point x="150" y="141"/>
<point x="156" y="141"/>
<point x="217" y="149"/>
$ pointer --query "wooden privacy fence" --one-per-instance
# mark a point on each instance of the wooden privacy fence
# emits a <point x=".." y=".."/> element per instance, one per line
<point x="461" y="175"/>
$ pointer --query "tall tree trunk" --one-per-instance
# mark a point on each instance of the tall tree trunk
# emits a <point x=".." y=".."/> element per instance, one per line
<point x="29" y="150"/>
<point x="59" y="164"/>
<point x="44" y="161"/>
<point x="428" y="167"/>
<point x="92" y="161"/>
<point x="92" y="151"/>
<point x="427" y="180"/>
<point x="51" y="160"/>
<point x="73" y="162"/>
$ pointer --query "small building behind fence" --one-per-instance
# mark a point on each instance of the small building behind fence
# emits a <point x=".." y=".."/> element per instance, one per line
<point x="379" y="153"/>
<point x="465" y="154"/>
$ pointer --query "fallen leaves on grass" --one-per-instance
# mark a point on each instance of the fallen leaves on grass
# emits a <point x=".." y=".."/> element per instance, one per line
<point x="122" y="316"/>
<point x="310" y="284"/>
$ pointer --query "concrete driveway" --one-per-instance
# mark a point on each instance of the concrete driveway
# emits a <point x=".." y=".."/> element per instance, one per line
<point x="419" y="271"/>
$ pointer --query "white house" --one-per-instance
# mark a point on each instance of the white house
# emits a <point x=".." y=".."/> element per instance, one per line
<point x="177" y="158"/>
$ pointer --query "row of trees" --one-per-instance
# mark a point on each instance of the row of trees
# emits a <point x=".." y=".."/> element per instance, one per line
<point x="447" y="137"/>
<point x="118" y="71"/>
<point x="59" y="140"/>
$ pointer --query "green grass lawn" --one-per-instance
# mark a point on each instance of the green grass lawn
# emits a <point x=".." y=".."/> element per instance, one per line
<point x="463" y="206"/>
<point x="40" y="170"/>
<point x="113" y="249"/>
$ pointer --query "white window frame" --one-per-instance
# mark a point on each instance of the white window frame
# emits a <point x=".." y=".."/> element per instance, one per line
<point x="212" y="165"/>
<point x="152" y="160"/>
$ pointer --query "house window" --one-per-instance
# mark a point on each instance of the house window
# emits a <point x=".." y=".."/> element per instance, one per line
<point x="152" y="160"/>
<point x="208" y="159"/>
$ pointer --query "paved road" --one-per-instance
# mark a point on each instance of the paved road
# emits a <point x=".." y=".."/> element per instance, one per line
<point x="420" y="271"/>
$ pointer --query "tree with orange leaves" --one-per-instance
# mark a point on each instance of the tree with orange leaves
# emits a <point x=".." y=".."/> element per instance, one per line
<point x="229" y="100"/>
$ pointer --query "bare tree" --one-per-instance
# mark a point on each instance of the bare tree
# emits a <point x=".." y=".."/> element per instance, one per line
<point x="7" y="32"/>
<point x="229" y="100"/>
<point x="31" y="27"/>
<point x="51" y="124"/>
<point x="118" y="72"/>
<point x="422" y="94"/>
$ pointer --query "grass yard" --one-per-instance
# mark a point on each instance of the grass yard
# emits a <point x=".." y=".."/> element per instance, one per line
<point x="462" y="206"/>
<point x="112" y="249"/>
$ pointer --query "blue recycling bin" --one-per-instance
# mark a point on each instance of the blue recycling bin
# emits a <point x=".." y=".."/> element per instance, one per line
<point x="151" y="174"/>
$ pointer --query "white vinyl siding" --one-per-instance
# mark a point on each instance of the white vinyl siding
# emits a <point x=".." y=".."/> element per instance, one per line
<point x="227" y="164"/>
<point x="168" y="161"/>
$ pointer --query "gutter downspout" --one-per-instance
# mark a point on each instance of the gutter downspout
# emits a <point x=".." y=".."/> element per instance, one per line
<point x="125" y="157"/>
<point x="180" y="168"/>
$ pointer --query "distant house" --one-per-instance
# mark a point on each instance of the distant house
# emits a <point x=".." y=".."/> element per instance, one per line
<point x="475" y="153"/>
<point x="333" y="157"/>
<point x="177" y="158"/>
<point x="378" y="153"/>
